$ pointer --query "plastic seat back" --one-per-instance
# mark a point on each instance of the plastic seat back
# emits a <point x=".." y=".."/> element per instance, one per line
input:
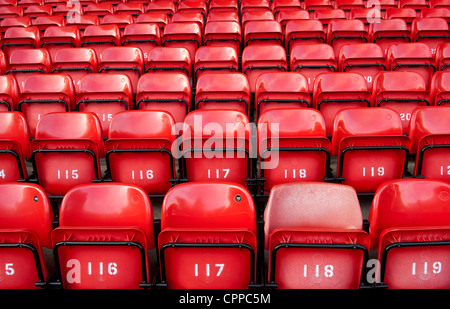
<point x="66" y="151"/>
<point x="370" y="146"/>
<point x="410" y="232"/>
<point x="263" y="32"/>
<point x="440" y="89"/>
<point x="169" y="59"/>
<point x="307" y="31"/>
<point x="311" y="60"/>
<point x="43" y="94"/>
<point x="400" y="91"/>
<point x="141" y="154"/>
<point x="223" y="215"/>
<point x="104" y="95"/>
<point x="330" y="95"/>
<point x="144" y="36"/>
<point x="26" y="223"/>
<point x="281" y="90"/>
<point x="9" y="93"/>
<point x="26" y="62"/>
<point x="430" y="141"/>
<point x="223" y="91"/>
<point x="75" y="62"/>
<point x="57" y="37"/>
<point x="389" y="31"/>
<point x="443" y="57"/>
<point x="170" y="92"/>
<point x="215" y="146"/>
<point x="99" y="37"/>
<point x="223" y="33"/>
<point x="292" y="147"/>
<point x="123" y="60"/>
<point x="298" y="218"/>
<point x="431" y="31"/>
<point x="341" y="32"/>
<point x="365" y="58"/>
<point x="98" y="247"/>
<point x="183" y="34"/>
<point x="20" y="38"/>
<point x="260" y="59"/>
<point x="215" y="59"/>
<point x="14" y="147"/>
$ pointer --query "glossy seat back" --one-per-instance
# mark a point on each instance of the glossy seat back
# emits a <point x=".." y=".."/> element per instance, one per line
<point x="298" y="218"/>
<point x="139" y="153"/>
<point x="370" y="146"/>
<point x="26" y="223"/>
<point x="104" y="247"/>
<point x="410" y="232"/>
<point x="66" y="151"/>
<point x="222" y="215"/>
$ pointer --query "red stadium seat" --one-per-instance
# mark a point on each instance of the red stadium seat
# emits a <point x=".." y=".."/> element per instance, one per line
<point x="26" y="224"/>
<point x="131" y="8"/>
<point x="26" y="62"/>
<point x="66" y="151"/>
<point x="43" y="94"/>
<point x="366" y="15"/>
<point x="58" y="37"/>
<point x="69" y="11"/>
<point x="43" y="22"/>
<point x="263" y="32"/>
<point x="341" y="32"/>
<point x="14" y="147"/>
<point x="284" y="16"/>
<point x="223" y="6"/>
<point x="9" y="93"/>
<point x="97" y="247"/>
<point x="145" y="36"/>
<point x="443" y="57"/>
<point x="223" y="91"/>
<point x="276" y="90"/>
<point x="263" y="15"/>
<point x="159" y="18"/>
<point x="279" y="6"/>
<point x="99" y="10"/>
<point x="254" y="5"/>
<point x="330" y="96"/>
<point x="105" y="95"/>
<point x="370" y="146"/>
<point x="292" y="147"/>
<point x="314" y="235"/>
<point x="400" y="91"/>
<point x="120" y="20"/>
<point x="406" y="14"/>
<point x="223" y="16"/>
<point x="303" y="32"/>
<point x="215" y="59"/>
<point x="436" y="12"/>
<point x="312" y="5"/>
<point x="440" y="89"/>
<point x="169" y="91"/>
<point x="430" y="141"/>
<point x="215" y="146"/>
<point x="11" y="11"/>
<point x="34" y="11"/>
<point x="20" y="38"/>
<point x="257" y="59"/>
<point x="83" y="21"/>
<point x="348" y="5"/>
<point x="169" y="59"/>
<point x="431" y="31"/>
<point x="167" y="7"/>
<point x="193" y="7"/>
<point x="414" y="4"/>
<point x="100" y="37"/>
<point x="389" y="31"/>
<point x="223" y="216"/>
<point x="311" y="60"/>
<point x="438" y="4"/>
<point x="223" y="33"/>
<point x="183" y="34"/>
<point x="139" y="153"/>
<point x="3" y="62"/>
<point x="411" y="234"/>
<point x="365" y="58"/>
<point x="414" y="57"/>
<point x="7" y="22"/>
<point x="189" y="17"/>
<point x="123" y="60"/>
<point x="75" y="62"/>
<point x="327" y="15"/>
